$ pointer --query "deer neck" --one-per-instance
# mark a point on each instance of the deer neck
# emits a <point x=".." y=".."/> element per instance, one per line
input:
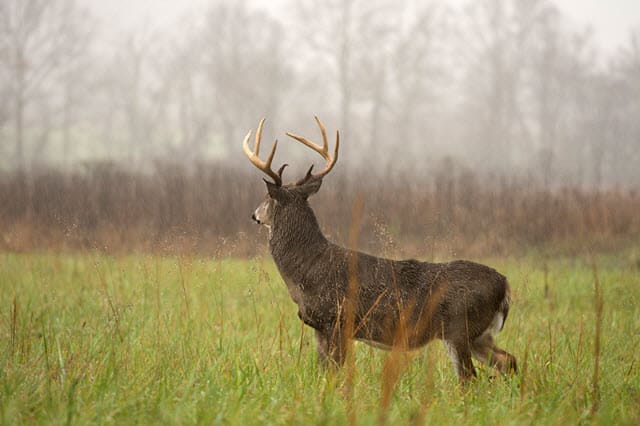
<point x="296" y="241"/>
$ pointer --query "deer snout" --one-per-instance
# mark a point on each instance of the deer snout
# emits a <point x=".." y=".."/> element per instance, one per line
<point x="255" y="219"/>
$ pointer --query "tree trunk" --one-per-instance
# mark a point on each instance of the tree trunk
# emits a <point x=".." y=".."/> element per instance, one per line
<point x="344" y="68"/>
<point x="19" y="121"/>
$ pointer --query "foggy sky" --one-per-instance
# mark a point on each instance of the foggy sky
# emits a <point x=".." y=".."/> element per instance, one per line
<point x="545" y="88"/>
<point x="611" y="21"/>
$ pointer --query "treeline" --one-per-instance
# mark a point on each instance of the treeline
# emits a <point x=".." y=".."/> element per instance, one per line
<point x="501" y="85"/>
<point x="206" y="210"/>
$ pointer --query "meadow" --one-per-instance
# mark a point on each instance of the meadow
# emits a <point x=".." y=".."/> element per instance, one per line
<point x="93" y="338"/>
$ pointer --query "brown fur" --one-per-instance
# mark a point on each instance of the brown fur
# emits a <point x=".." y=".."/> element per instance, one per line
<point x="402" y="304"/>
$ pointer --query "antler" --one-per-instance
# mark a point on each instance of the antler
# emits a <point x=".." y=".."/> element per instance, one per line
<point x="322" y="150"/>
<point x="265" y="166"/>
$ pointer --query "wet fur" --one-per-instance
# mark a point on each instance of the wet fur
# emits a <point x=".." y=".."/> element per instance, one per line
<point x="394" y="303"/>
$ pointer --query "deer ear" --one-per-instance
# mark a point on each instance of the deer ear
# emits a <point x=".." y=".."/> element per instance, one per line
<point x="310" y="187"/>
<point x="277" y="192"/>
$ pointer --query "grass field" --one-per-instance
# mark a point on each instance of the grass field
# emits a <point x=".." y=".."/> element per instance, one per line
<point x="97" y="339"/>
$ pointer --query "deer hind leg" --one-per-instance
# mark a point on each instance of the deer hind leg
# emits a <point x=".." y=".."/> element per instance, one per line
<point x="330" y="349"/>
<point x="460" y="354"/>
<point x="485" y="350"/>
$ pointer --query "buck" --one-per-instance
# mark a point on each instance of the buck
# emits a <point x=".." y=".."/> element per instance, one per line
<point x="345" y="294"/>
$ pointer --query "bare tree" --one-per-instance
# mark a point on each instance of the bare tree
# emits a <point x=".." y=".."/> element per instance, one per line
<point x="127" y="107"/>
<point x="39" y="41"/>
<point x="493" y="48"/>
<point x="417" y="79"/>
<point x="75" y="78"/>
<point x="244" y="63"/>
<point x="625" y="149"/>
<point x="346" y="41"/>
<point x="188" y="112"/>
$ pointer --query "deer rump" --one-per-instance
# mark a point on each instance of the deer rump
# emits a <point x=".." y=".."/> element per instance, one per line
<point x="404" y="303"/>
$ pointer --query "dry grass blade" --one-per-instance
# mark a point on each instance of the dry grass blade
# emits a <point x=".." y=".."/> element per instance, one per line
<point x="598" y="306"/>
<point x="352" y="296"/>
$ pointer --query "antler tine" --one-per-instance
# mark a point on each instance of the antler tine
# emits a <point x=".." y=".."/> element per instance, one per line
<point x="322" y="150"/>
<point x="258" y="138"/>
<point x="265" y="166"/>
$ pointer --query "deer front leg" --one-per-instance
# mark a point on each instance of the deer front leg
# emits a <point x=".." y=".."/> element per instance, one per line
<point x="460" y="355"/>
<point x="331" y="349"/>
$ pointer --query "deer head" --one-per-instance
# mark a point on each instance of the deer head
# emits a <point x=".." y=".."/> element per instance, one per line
<point x="287" y="200"/>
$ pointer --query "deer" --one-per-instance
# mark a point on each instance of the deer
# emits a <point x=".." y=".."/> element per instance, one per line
<point x="346" y="295"/>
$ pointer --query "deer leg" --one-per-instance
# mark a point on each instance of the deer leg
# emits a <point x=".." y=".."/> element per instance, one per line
<point x="507" y="362"/>
<point x="330" y="349"/>
<point x="485" y="351"/>
<point x="323" y="347"/>
<point x="460" y="355"/>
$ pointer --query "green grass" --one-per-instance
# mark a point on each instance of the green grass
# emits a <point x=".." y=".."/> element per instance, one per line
<point x="97" y="339"/>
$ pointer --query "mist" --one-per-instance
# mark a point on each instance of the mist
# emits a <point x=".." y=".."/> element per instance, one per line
<point x="492" y="100"/>
<point x="499" y="86"/>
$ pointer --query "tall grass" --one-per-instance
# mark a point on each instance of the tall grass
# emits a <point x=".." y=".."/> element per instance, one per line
<point x="183" y="340"/>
